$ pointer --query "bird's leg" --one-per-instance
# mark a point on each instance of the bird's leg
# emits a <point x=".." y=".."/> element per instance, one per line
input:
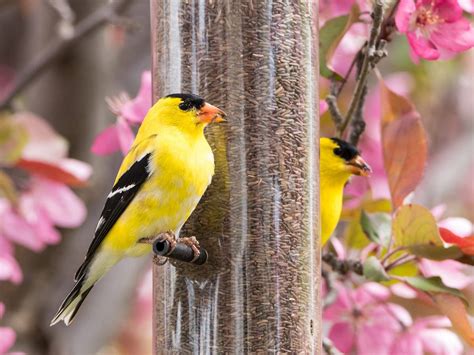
<point x="193" y="243"/>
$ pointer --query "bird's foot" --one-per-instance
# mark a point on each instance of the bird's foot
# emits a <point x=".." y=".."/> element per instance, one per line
<point x="193" y="243"/>
<point x="170" y="237"/>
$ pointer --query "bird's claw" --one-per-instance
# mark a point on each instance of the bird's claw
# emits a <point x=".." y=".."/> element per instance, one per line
<point x="193" y="243"/>
<point x="171" y="238"/>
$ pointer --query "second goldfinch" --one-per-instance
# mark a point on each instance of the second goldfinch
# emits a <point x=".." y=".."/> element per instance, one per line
<point x="339" y="160"/>
<point x="159" y="184"/>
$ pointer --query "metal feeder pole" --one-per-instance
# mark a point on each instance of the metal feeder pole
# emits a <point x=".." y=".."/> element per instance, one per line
<point x="259" y="290"/>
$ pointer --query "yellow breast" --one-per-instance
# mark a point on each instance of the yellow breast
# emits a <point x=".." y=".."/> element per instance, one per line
<point x="182" y="170"/>
<point x="331" y="206"/>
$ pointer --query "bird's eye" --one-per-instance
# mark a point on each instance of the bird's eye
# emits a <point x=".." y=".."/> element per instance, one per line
<point x="338" y="151"/>
<point x="185" y="105"/>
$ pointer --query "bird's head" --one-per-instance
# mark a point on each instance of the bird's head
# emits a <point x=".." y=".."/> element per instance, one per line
<point x="340" y="159"/>
<point x="187" y="111"/>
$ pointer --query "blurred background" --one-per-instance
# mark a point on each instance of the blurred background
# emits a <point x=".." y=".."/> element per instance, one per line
<point x="69" y="94"/>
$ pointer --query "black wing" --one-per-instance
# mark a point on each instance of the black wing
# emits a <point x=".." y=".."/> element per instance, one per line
<point x="119" y="198"/>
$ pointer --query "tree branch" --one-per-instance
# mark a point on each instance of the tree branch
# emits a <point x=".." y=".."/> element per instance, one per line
<point x="60" y="45"/>
<point x="373" y="54"/>
<point x="343" y="266"/>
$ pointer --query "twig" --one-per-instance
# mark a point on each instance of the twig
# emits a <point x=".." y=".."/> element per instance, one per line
<point x="60" y="45"/>
<point x="372" y="55"/>
<point x="343" y="266"/>
<point x="400" y="261"/>
<point x="331" y="293"/>
<point x="331" y="100"/>
<point x="390" y="253"/>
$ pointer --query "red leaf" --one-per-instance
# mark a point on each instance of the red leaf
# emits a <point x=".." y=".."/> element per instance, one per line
<point x="466" y="244"/>
<point x="50" y="171"/>
<point x="404" y="145"/>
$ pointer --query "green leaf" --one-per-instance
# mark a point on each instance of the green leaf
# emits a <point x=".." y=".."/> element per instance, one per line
<point x="414" y="226"/>
<point x="377" y="227"/>
<point x="330" y="35"/>
<point x="435" y="252"/>
<point x="433" y="284"/>
<point x="374" y="271"/>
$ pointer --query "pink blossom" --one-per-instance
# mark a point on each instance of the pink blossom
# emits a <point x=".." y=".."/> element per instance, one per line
<point x="49" y="150"/>
<point x="453" y="273"/>
<point x="135" y="110"/>
<point x="362" y="321"/>
<point x="16" y="229"/>
<point x="7" y="339"/>
<point x="434" y="28"/>
<point x="350" y="44"/>
<point x="9" y="268"/>
<point x="323" y="107"/>
<point x="333" y="8"/>
<point x="467" y="5"/>
<point x="120" y="136"/>
<point x="427" y="335"/>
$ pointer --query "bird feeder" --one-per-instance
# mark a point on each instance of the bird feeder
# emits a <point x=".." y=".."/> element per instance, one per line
<point x="258" y="292"/>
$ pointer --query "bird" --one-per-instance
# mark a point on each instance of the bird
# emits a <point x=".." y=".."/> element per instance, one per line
<point x="158" y="185"/>
<point x="339" y="160"/>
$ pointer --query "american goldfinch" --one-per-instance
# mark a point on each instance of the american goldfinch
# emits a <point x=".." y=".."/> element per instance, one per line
<point x="159" y="183"/>
<point x="338" y="161"/>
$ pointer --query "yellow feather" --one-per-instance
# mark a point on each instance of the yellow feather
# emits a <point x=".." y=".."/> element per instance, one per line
<point x="333" y="177"/>
<point x="183" y="165"/>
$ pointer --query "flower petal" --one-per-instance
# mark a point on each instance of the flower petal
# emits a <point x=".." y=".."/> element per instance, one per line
<point x="323" y="107"/>
<point x="106" y="142"/>
<point x="467" y="5"/>
<point x="39" y="220"/>
<point x="456" y="36"/>
<point x="405" y="10"/>
<point x="136" y="109"/>
<point x="441" y="342"/>
<point x="448" y="10"/>
<point x="125" y="135"/>
<point x="10" y="269"/>
<point x="82" y="171"/>
<point x="407" y="343"/>
<point x="7" y="339"/>
<point x="422" y="47"/>
<point x="59" y="202"/>
<point x="343" y="337"/>
<point x="18" y="230"/>
<point x="44" y="143"/>
<point x="450" y="271"/>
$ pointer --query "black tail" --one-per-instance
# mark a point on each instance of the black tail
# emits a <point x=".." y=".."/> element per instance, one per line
<point x="72" y="303"/>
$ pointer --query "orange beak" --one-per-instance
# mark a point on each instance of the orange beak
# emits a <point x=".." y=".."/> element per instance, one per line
<point x="210" y="114"/>
<point x="358" y="166"/>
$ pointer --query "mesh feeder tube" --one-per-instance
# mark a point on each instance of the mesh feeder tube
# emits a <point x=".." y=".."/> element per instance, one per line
<point x="259" y="219"/>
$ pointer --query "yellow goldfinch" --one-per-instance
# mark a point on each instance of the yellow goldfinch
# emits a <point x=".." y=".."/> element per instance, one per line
<point x="338" y="161"/>
<point x="160" y="182"/>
